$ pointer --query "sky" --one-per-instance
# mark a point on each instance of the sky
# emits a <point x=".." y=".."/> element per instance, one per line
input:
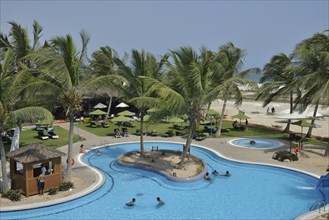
<point x="262" y="28"/>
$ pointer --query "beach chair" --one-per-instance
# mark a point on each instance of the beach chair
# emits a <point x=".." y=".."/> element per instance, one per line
<point x="42" y="136"/>
<point x="104" y="125"/>
<point x="38" y="127"/>
<point x="93" y="124"/>
<point x="52" y="135"/>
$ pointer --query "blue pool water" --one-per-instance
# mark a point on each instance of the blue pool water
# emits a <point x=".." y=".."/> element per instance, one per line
<point x="252" y="192"/>
<point x="259" y="143"/>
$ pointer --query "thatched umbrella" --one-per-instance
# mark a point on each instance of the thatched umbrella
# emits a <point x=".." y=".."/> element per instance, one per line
<point x="34" y="153"/>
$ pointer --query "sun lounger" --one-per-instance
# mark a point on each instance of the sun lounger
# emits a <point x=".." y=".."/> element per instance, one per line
<point x="104" y="125"/>
<point x="42" y="136"/>
<point x="93" y="124"/>
<point x="52" y="135"/>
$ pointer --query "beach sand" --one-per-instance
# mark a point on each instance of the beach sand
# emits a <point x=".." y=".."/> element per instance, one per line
<point x="258" y="115"/>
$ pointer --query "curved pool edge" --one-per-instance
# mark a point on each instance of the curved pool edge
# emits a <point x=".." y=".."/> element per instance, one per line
<point x="280" y="144"/>
<point x="101" y="179"/>
<point x="165" y="174"/>
<point x="315" y="214"/>
<point x="97" y="184"/>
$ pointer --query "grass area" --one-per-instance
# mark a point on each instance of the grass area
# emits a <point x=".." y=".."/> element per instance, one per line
<point x="30" y="136"/>
<point x="162" y="128"/>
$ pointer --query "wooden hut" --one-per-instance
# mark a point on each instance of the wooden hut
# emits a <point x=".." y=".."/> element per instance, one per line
<point x="25" y="167"/>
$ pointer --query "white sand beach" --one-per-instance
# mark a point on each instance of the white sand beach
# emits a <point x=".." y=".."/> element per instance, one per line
<point x="258" y="115"/>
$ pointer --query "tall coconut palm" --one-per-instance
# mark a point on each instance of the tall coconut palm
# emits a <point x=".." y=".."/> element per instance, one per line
<point x="189" y="79"/>
<point x="102" y="64"/>
<point x="19" y="42"/>
<point x="59" y="68"/>
<point x="313" y="57"/>
<point x="137" y="92"/>
<point x="228" y="76"/>
<point x="59" y="72"/>
<point x="15" y="109"/>
<point x="279" y="81"/>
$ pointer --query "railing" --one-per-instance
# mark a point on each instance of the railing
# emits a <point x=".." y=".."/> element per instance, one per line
<point x="318" y="205"/>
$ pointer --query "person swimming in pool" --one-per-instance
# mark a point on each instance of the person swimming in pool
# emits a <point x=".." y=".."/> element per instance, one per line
<point x="215" y="172"/>
<point x="227" y="173"/>
<point x="252" y="142"/>
<point x="160" y="202"/>
<point x="131" y="203"/>
<point x="207" y="177"/>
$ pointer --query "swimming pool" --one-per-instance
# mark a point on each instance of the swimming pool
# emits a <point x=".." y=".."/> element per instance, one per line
<point x="252" y="192"/>
<point x="259" y="143"/>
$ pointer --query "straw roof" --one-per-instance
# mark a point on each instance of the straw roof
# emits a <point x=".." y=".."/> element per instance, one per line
<point x="34" y="153"/>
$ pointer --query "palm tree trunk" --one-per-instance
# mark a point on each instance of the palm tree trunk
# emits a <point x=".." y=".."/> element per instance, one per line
<point x="69" y="151"/>
<point x="208" y="105"/>
<point x="309" y="132"/>
<point x="326" y="153"/>
<point x="287" y="129"/>
<point x="142" y="136"/>
<point x="109" y="108"/>
<point x="219" y="131"/>
<point x="3" y="167"/>
<point x="188" y="142"/>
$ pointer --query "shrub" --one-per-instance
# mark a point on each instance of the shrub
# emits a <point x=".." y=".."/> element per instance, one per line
<point x="52" y="191"/>
<point x="170" y="133"/>
<point x="13" y="195"/>
<point x="282" y="155"/>
<point x="65" y="186"/>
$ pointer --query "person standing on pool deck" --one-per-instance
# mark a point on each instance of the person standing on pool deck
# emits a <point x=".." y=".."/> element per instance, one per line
<point x="41" y="183"/>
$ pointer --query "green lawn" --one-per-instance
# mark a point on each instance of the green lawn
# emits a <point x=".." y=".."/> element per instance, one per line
<point x="30" y="136"/>
<point x="161" y="128"/>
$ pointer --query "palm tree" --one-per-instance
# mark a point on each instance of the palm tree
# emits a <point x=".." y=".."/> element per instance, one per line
<point x="189" y="78"/>
<point x="144" y="67"/>
<point x="312" y="55"/>
<point x="15" y="108"/>
<point x="228" y="77"/>
<point x="58" y="75"/>
<point x="279" y="77"/>
<point x="102" y="64"/>
<point x="19" y="42"/>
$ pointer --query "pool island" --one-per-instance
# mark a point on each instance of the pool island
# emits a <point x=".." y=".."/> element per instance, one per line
<point x="165" y="162"/>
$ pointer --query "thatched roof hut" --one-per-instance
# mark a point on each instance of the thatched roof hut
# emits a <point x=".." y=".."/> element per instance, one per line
<point x="25" y="167"/>
<point x="34" y="153"/>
